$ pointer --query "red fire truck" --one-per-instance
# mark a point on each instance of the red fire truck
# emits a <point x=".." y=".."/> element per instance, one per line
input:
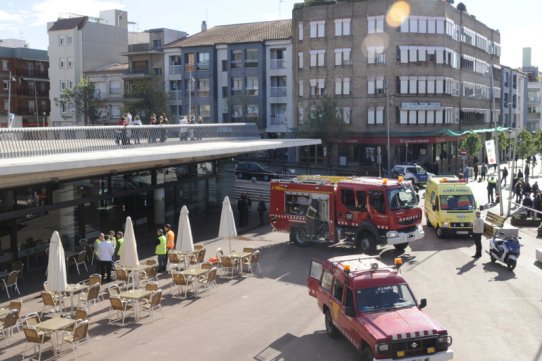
<point x="364" y="211"/>
<point x="372" y="305"/>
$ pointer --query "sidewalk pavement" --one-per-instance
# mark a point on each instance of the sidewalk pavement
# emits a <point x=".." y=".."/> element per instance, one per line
<point x="204" y="230"/>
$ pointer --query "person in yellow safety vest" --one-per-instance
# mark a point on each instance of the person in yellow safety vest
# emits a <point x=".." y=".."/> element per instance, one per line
<point x="161" y="250"/>
<point x="97" y="242"/>
<point x="120" y="242"/>
<point x="170" y="237"/>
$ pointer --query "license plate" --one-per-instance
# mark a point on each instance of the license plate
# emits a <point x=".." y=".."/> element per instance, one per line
<point x="458" y="232"/>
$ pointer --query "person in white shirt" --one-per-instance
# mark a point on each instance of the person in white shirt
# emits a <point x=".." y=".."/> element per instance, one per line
<point x="105" y="258"/>
<point x="477" y="231"/>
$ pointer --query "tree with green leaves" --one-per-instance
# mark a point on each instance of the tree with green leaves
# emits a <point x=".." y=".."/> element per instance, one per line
<point x="149" y="95"/>
<point x="83" y="98"/>
<point x="472" y="144"/>
<point x="525" y="144"/>
<point x="325" y="122"/>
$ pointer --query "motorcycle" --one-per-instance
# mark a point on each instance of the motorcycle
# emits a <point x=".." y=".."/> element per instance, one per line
<point x="505" y="248"/>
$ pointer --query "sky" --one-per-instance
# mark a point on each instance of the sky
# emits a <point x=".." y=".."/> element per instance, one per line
<point x="518" y="22"/>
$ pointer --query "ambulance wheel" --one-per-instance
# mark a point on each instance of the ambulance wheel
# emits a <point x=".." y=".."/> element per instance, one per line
<point x="401" y="246"/>
<point x="440" y="232"/>
<point x="331" y="330"/>
<point x="366" y="243"/>
<point x="298" y="235"/>
<point x="511" y="264"/>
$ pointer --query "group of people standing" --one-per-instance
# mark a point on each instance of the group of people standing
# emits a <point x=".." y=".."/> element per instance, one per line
<point x="107" y="248"/>
<point x="121" y="135"/>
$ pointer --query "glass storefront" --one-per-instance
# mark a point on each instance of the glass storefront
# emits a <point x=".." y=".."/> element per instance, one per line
<point x="82" y="208"/>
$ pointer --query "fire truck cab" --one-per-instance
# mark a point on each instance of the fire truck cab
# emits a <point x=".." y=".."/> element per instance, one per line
<point x="372" y="305"/>
<point x="364" y="211"/>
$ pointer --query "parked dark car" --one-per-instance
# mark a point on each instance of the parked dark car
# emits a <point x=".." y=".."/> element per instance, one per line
<point x="250" y="170"/>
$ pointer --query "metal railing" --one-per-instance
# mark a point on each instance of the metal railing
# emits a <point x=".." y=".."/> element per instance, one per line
<point x="26" y="142"/>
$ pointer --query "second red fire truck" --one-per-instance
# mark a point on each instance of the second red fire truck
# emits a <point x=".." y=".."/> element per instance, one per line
<point x="363" y="210"/>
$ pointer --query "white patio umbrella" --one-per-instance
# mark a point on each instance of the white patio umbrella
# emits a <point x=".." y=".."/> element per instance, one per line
<point x="227" y="222"/>
<point x="128" y="255"/>
<point x="56" y="268"/>
<point x="185" y="242"/>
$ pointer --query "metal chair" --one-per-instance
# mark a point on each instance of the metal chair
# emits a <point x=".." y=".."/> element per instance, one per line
<point x="175" y="261"/>
<point x="35" y="338"/>
<point x="11" y="281"/>
<point x="32" y="319"/>
<point x="17" y="305"/>
<point x="181" y="280"/>
<point x="9" y="323"/>
<point x="75" y="337"/>
<point x="122" y="277"/>
<point x="80" y="259"/>
<point x="119" y="306"/>
<point x="228" y="267"/>
<point x="253" y="260"/>
<point x="18" y="266"/>
<point x="51" y="302"/>
<point x="154" y="304"/>
<point x="209" y="280"/>
<point x="90" y="297"/>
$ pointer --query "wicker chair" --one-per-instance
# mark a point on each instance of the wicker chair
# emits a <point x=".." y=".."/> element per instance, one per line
<point x="11" y="282"/>
<point x="209" y="280"/>
<point x="8" y="324"/>
<point x="122" y="277"/>
<point x="17" y="305"/>
<point x="92" y="296"/>
<point x="206" y="265"/>
<point x="75" y="337"/>
<point x="154" y="304"/>
<point x="32" y="319"/>
<point x="253" y="260"/>
<point x="81" y="313"/>
<point x="35" y="338"/>
<point x="18" y="266"/>
<point x="181" y="280"/>
<point x="52" y="302"/>
<point x="113" y="290"/>
<point x="80" y="259"/>
<point x="228" y="266"/>
<point x="119" y="306"/>
<point x="175" y="261"/>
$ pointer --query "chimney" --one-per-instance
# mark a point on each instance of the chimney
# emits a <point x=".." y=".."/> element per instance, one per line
<point x="203" y="26"/>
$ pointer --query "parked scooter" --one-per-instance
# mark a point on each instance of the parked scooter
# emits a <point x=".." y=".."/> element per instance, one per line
<point x="505" y="248"/>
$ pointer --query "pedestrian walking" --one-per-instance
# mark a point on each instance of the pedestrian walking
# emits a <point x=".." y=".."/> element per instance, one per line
<point x="475" y="166"/>
<point x="105" y="258"/>
<point x="518" y="190"/>
<point x="261" y="210"/>
<point x="526" y="171"/>
<point x="160" y="250"/>
<point x="477" y="231"/>
<point x="242" y="209"/>
<point x="483" y="171"/>
<point x="466" y="173"/>
<point x="491" y="186"/>
<point x="135" y="131"/>
<point x="504" y="175"/>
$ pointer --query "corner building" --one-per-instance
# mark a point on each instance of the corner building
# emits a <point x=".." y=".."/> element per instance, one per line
<point x="428" y="79"/>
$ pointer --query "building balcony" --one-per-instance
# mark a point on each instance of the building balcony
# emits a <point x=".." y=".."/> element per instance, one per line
<point x="277" y="64"/>
<point x="278" y="92"/>
<point x="143" y="48"/>
<point x="278" y="119"/>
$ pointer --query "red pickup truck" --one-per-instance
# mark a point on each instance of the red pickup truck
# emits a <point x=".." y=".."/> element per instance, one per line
<point x="372" y="305"/>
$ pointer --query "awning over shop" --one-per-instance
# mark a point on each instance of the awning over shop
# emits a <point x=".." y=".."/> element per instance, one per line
<point x="434" y="137"/>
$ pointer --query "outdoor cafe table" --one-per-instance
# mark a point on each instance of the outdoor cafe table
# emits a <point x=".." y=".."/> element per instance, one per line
<point x="239" y="257"/>
<point x="73" y="289"/>
<point x="134" y="270"/>
<point x="136" y="296"/>
<point x="54" y="325"/>
<point x="195" y="273"/>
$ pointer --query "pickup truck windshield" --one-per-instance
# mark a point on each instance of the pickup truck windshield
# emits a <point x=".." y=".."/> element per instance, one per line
<point x="402" y="198"/>
<point x="383" y="298"/>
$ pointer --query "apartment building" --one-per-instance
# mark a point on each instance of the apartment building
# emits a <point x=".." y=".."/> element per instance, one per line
<point x="109" y="91"/>
<point x="235" y="73"/>
<point x="413" y="85"/>
<point x="514" y="87"/>
<point x="79" y="44"/>
<point x="26" y="93"/>
<point x="146" y="64"/>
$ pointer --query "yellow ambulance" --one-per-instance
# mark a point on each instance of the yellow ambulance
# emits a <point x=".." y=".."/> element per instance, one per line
<point x="450" y="206"/>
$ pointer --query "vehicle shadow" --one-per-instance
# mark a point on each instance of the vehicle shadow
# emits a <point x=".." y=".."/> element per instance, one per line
<point x="291" y="347"/>
<point x="502" y="273"/>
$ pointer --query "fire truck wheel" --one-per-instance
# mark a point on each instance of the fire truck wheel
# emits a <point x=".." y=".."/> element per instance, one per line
<point x="298" y="235"/>
<point x="367" y="353"/>
<point x="330" y="327"/>
<point x="401" y="246"/>
<point x="366" y="243"/>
